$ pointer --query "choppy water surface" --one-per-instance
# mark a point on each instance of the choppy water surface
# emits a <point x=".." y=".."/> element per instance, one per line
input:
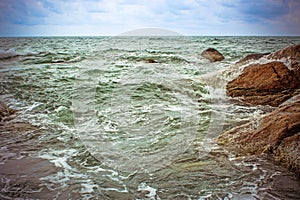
<point x="119" y="127"/>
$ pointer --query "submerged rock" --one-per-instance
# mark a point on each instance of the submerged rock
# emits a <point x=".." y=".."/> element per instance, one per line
<point x="24" y="174"/>
<point x="150" y="60"/>
<point x="6" y="113"/>
<point x="253" y="56"/>
<point x="266" y="84"/>
<point x="212" y="55"/>
<point x="277" y="133"/>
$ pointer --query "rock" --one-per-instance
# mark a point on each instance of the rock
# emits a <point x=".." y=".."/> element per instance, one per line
<point x="150" y="60"/>
<point x="295" y="68"/>
<point x="288" y="153"/>
<point x="266" y="84"/>
<point x="294" y="99"/>
<point x="5" y="112"/>
<point x="253" y="56"/>
<point x="277" y="133"/>
<point x="276" y="83"/>
<point x="24" y="175"/>
<point x="291" y="52"/>
<point x="291" y="55"/>
<point x="212" y="55"/>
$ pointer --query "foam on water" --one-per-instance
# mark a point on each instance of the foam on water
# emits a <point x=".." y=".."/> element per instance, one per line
<point x="151" y="192"/>
<point x="137" y="130"/>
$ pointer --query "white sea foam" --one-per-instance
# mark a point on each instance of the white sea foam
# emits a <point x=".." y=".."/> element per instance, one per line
<point x="145" y="117"/>
<point x="151" y="192"/>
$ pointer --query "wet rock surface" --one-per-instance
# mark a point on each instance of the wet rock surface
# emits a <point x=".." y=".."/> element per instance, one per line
<point x="291" y="52"/>
<point x="6" y="113"/>
<point x="212" y="55"/>
<point x="22" y="172"/>
<point x="265" y="84"/>
<point x="150" y="60"/>
<point x="275" y="83"/>
<point x="277" y="133"/>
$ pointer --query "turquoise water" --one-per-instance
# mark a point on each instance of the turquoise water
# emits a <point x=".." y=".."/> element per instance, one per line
<point x="118" y="127"/>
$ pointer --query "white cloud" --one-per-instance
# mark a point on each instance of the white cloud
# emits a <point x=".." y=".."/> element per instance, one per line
<point x="106" y="17"/>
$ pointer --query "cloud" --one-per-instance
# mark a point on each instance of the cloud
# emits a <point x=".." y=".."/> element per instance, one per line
<point x="254" y="11"/>
<point x="109" y="17"/>
<point x="278" y="16"/>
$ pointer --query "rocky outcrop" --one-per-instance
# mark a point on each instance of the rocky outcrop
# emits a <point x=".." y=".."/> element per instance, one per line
<point x="287" y="153"/>
<point x="212" y="55"/>
<point x="290" y="55"/>
<point x="277" y="133"/>
<point x="271" y="83"/>
<point x="267" y="84"/>
<point x="275" y="83"/>
<point x="291" y="52"/>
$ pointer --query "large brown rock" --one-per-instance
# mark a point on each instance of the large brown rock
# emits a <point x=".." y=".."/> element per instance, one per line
<point x="291" y="52"/>
<point x="292" y="55"/>
<point x="272" y="83"/>
<point x="212" y="55"/>
<point x="267" y="84"/>
<point x="288" y="153"/>
<point x="277" y="133"/>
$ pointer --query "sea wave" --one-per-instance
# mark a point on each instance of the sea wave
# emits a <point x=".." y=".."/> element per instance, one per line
<point x="155" y="58"/>
<point x="8" y="54"/>
<point x="11" y="56"/>
<point x="150" y="135"/>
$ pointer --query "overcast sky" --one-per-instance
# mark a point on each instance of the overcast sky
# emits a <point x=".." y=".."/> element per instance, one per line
<point x="113" y="17"/>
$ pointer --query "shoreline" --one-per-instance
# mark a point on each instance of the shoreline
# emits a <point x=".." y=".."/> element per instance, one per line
<point x="275" y="83"/>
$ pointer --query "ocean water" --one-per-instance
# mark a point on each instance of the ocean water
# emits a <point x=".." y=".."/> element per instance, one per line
<point x="117" y="126"/>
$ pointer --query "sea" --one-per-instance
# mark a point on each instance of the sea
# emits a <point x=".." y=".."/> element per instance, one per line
<point x="136" y="117"/>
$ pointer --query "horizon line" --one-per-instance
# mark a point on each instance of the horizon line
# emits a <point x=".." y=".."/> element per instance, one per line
<point x="27" y="36"/>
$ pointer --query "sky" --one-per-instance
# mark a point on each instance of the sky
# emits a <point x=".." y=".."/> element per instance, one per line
<point x="114" y="17"/>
